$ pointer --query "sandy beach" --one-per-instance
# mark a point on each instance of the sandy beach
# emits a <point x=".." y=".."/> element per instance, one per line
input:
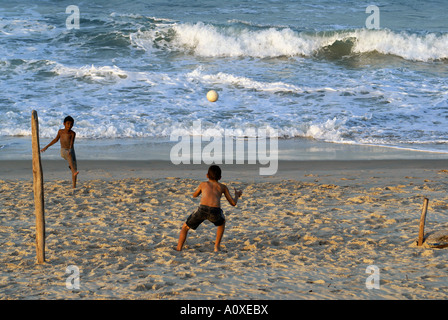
<point x="343" y="104"/>
<point x="309" y="232"/>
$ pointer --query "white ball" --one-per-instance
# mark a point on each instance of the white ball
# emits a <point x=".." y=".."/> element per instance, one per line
<point x="212" y="96"/>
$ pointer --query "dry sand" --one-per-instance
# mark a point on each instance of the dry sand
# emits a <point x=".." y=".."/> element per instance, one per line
<point x="309" y="232"/>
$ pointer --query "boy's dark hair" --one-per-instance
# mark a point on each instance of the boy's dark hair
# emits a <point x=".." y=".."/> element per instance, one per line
<point x="214" y="173"/>
<point x="70" y="119"/>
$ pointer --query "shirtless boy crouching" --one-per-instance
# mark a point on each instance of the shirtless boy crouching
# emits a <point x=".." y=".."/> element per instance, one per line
<point x="210" y="206"/>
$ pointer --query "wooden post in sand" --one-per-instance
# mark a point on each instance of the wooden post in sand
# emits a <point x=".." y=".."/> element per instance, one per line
<point x="421" y="231"/>
<point x="38" y="187"/>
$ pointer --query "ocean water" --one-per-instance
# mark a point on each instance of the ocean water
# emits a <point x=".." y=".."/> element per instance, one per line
<point x="136" y="72"/>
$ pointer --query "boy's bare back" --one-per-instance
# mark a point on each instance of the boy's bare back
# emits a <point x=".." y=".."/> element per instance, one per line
<point x="210" y="206"/>
<point x="211" y="193"/>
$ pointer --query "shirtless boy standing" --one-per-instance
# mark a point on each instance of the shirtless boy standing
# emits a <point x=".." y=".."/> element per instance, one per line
<point x="67" y="137"/>
<point x="210" y="206"/>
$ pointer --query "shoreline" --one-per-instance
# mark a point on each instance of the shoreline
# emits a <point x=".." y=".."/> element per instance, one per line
<point x="149" y="149"/>
<point x="159" y="169"/>
<point x="150" y="158"/>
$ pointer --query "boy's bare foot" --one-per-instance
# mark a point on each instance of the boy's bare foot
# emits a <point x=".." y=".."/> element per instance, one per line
<point x="74" y="176"/>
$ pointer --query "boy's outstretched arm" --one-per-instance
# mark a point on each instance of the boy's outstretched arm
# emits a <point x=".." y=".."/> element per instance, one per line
<point x="229" y="198"/>
<point x="51" y="143"/>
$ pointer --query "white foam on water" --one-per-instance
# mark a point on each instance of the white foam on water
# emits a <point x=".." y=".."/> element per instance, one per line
<point x="267" y="74"/>
<point x="103" y="73"/>
<point x="408" y="46"/>
<point x="211" y="41"/>
<point x="247" y="83"/>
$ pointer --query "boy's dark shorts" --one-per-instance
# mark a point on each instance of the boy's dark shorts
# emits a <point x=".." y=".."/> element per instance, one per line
<point x="212" y="214"/>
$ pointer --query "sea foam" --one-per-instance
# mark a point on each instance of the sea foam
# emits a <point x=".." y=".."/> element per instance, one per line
<point x="212" y="41"/>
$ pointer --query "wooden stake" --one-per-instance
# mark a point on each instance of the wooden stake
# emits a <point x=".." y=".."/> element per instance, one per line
<point x="421" y="232"/>
<point x="38" y="187"/>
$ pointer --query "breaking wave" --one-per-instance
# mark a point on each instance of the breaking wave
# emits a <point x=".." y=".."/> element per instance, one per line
<point x="216" y="41"/>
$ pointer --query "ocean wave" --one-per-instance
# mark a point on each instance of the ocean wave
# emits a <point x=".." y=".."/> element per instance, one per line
<point x="100" y="74"/>
<point x="408" y="46"/>
<point x="24" y="28"/>
<point x="208" y="40"/>
<point x="333" y="130"/>
<point x="245" y="82"/>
